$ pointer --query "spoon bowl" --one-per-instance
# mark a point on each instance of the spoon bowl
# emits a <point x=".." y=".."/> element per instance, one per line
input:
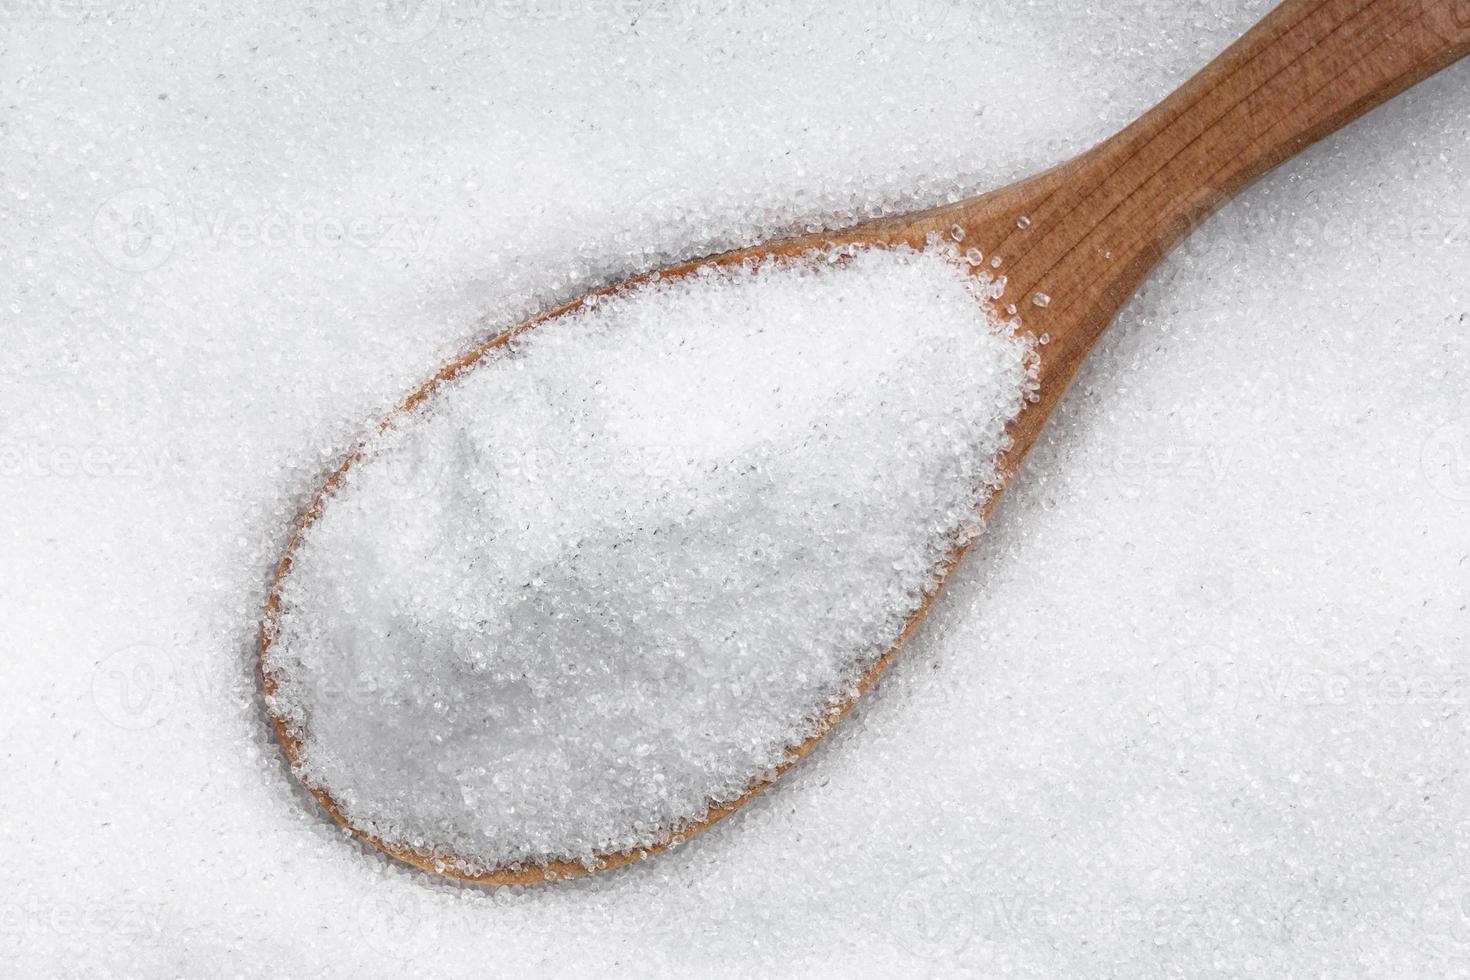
<point x="1072" y="244"/>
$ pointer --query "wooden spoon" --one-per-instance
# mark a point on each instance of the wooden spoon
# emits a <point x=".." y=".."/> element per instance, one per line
<point x="1074" y="242"/>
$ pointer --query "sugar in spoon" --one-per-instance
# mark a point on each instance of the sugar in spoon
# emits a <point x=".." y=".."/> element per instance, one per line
<point x="1073" y="242"/>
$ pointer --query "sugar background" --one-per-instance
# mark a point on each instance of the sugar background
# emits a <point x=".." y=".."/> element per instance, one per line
<point x="1156" y="727"/>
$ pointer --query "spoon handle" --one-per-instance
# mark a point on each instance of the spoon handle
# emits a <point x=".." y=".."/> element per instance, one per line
<point x="1106" y="218"/>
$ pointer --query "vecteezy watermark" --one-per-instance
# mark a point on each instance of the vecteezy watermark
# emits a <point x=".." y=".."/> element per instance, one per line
<point x="1134" y="470"/>
<point x="402" y="21"/>
<point x="135" y="687"/>
<point x="1450" y="19"/>
<point x="85" y="461"/>
<point x="1159" y="919"/>
<point x="1345" y="231"/>
<point x="410" y="21"/>
<point x="40" y="921"/>
<point x="81" y="11"/>
<point x="306" y="228"/>
<point x="1320" y="224"/>
<point x="406" y="471"/>
<point x="624" y="14"/>
<point x="927" y="20"/>
<point x="1445" y="915"/>
<point x="135" y="230"/>
<point x="1204" y="685"/>
<point x="932" y="917"/>
<point x="1289" y="686"/>
<point x="141" y="228"/>
<point x="142" y="685"/>
<point x="1196" y="684"/>
<point x="1445" y="459"/>
<point x="391" y="921"/>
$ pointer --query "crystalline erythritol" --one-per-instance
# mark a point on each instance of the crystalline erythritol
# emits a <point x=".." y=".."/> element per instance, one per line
<point x="1194" y="706"/>
<point x="621" y="568"/>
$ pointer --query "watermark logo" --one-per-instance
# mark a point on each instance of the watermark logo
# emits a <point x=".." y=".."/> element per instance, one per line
<point x="408" y="470"/>
<point x="1204" y="685"/>
<point x="306" y="228"/>
<point x="1450" y="19"/>
<point x="135" y="687"/>
<point x="927" y="20"/>
<point x="80" y="461"/>
<point x="82" y="11"/>
<point x="1445" y="459"/>
<point x="44" y="922"/>
<point x="1196" y="685"/>
<point x="1317" y="223"/>
<point x="1136" y="471"/>
<point x="136" y="230"/>
<point x="403" y="21"/>
<point x="1445" y="916"/>
<point x="392" y="922"/>
<point x="142" y="228"/>
<point x="410" y="467"/>
<point x="931" y="916"/>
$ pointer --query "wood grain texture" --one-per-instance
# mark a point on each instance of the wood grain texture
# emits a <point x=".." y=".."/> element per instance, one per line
<point x="1093" y="228"/>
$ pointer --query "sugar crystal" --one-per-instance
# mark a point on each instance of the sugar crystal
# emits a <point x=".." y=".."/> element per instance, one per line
<point x="621" y="568"/>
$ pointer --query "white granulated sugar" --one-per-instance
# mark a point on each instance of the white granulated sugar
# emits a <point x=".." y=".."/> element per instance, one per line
<point x="1195" y="704"/>
<point x="619" y="571"/>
